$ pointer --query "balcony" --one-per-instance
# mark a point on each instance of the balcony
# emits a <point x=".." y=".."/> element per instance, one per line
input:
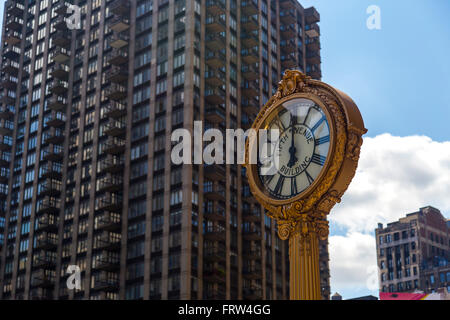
<point x="214" y="172"/>
<point x="120" y="7"/>
<point x="48" y="205"/>
<point x="61" y="55"/>
<point x="45" y="259"/>
<point x="116" y="92"/>
<point x="117" y="75"/>
<point x="215" y="215"/>
<point x="54" y="136"/>
<point x="215" y="59"/>
<point x="250" y="72"/>
<point x="252" y="235"/>
<point x="14" y="23"/>
<point x="250" y="56"/>
<point x="57" y="120"/>
<point x="117" y="57"/>
<point x="252" y="294"/>
<point x="59" y="87"/>
<point x="214" y="193"/>
<point x="215" y="254"/>
<point x="215" y="96"/>
<point x="215" y="7"/>
<point x="214" y="233"/>
<point x="115" y="128"/>
<point x="14" y="8"/>
<point x="116" y="110"/>
<point x="106" y="260"/>
<point x="215" y="77"/>
<point x="107" y="241"/>
<point x="119" y="24"/>
<point x="61" y="23"/>
<point x="215" y="24"/>
<point x="288" y="17"/>
<point x="288" y="62"/>
<point x="53" y="153"/>
<point x="250" y="89"/>
<point x="46" y="241"/>
<point x="311" y="15"/>
<point x="250" y="106"/>
<point x="57" y="103"/>
<point x="106" y="281"/>
<point x="61" y="7"/>
<point x="249" y="7"/>
<point x="251" y="215"/>
<point x="11" y="67"/>
<point x="250" y="39"/>
<point x="60" y="71"/>
<point x="110" y="183"/>
<point x="5" y="145"/>
<point x="215" y="114"/>
<point x="62" y="38"/>
<point x="47" y="222"/>
<point x="119" y="40"/>
<point x="12" y="37"/>
<point x="215" y="294"/>
<point x="252" y="254"/>
<point x="216" y="276"/>
<point x="109" y="220"/>
<point x="51" y="170"/>
<point x="8" y="82"/>
<point x="51" y="187"/>
<point x="315" y="72"/>
<point x="252" y="272"/>
<point x="7" y="112"/>
<point x="313" y="57"/>
<point x="249" y="23"/>
<point x="12" y="53"/>
<point x="215" y="41"/>
<point x="287" y="32"/>
<point x="114" y="146"/>
<point x="111" y="165"/>
<point x="43" y="279"/>
<point x="312" y="30"/>
<point x="313" y="44"/>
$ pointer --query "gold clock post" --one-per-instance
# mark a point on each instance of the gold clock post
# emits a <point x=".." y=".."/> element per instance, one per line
<point x="302" y="219"/>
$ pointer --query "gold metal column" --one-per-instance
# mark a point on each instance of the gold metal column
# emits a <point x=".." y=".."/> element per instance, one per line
<point x="304" y="257"/>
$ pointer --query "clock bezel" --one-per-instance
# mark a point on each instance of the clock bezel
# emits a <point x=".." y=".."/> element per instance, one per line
<point x="269" y="114"/>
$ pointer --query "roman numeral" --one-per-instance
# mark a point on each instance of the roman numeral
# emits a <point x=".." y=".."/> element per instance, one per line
<point x="318" y="124"/>
<point x="279" y="185"/>
<point x="294" y="189"/>
<point x="318" y="159"/>
<point x="310" y="179"/>
<point x="268" y="179"/>
<point x="322" y="140"/>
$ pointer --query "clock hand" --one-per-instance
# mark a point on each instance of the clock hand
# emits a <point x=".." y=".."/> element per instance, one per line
<point x="292" y="150"/>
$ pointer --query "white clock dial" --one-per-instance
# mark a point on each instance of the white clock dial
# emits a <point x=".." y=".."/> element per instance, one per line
<point x="301" y="151"/>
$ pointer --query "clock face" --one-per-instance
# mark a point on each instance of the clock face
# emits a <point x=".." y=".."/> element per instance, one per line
<point x="298" y="147"/>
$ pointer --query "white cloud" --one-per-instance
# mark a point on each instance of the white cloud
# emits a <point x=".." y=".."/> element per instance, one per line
<point x="396" y="176"/>
<point x="352" y="261"/>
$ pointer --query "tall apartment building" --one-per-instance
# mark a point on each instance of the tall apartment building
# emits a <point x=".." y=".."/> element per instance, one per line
<point x="414" y="253"/>
<point x="86" y="118"/>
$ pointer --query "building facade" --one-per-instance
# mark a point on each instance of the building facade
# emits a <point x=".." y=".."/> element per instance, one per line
<point x="87" y="111"/>
<point x="414" y="253"/>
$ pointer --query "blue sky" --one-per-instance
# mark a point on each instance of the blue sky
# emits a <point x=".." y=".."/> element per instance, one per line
<point x="400" y="75"/>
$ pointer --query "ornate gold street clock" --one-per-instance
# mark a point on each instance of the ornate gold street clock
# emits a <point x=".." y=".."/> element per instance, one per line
<point x="303" y="167"/>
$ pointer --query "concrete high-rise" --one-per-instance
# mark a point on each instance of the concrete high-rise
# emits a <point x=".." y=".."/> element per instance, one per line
<point x="86" y="116"/>
<point x="414" y="253"/>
